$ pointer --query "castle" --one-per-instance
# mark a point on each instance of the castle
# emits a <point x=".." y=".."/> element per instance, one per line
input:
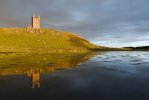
<point x="35" y="22"/>
<point x="35" y="26"/>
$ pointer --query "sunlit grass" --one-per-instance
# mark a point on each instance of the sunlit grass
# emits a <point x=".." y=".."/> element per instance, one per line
<point x="19" y="40"/>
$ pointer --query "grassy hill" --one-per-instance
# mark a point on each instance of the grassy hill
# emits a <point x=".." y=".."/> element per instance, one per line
<point x="49" y="40"/>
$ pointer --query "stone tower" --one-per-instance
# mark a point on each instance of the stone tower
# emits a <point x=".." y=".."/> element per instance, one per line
<point x="36" y="22"/>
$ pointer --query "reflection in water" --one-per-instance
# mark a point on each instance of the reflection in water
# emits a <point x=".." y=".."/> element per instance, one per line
<point x="34" y="74"/>
<point x="106" y="76"/>
<point x="46" y="63"/>
<point x="35" y="77"/>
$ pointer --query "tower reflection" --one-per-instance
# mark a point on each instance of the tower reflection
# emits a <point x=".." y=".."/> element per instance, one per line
<point x="35" y="77"/>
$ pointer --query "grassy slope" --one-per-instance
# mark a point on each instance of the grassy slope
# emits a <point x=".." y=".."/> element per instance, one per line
<point x="19" y="40"/>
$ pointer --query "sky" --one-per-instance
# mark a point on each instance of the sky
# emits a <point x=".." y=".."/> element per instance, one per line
<point x="113" y="23"/>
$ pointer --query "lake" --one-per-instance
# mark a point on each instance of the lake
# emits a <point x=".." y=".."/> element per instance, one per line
<point x="114" y="75"/>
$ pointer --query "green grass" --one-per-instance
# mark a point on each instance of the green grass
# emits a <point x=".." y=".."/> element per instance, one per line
<point x="49" y="40"/>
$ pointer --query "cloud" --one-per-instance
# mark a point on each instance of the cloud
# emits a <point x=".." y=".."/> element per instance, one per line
<point x="106" y="22"/>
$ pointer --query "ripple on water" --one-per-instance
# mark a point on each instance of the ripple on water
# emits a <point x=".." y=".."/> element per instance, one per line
<point x="93" y="62"/>
<point x="117" y="60"/>
<point x="136" y="63"/>
<point x="135" y="60"/>
<point x="123" y="56"/>
<point x="106" y="61"/>
<point x="111" y="69"/>
<point x="146" y="70"/>
<point x="145" y="63"/>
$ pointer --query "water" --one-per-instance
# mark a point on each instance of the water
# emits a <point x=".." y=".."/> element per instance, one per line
<point x="120" y="75"/>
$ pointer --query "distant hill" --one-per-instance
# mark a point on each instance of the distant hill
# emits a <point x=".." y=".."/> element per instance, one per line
<point x="139" y="48"/>
<point x="49" y="40"/>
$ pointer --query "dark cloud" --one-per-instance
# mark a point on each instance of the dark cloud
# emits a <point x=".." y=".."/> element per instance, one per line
<point x="106" y="22"/>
